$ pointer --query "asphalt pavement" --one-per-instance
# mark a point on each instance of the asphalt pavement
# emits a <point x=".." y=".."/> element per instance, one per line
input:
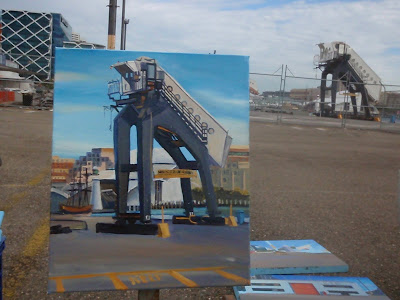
<point x="308" y="181"/>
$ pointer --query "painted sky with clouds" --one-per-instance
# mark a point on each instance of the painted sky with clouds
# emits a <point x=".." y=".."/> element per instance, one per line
<point x="271" y="32"/>
<point x="218" y="82"/>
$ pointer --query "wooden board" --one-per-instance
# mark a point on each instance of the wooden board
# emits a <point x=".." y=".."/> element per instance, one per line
<point x="303" y="287"/>
<point x="293" y="257"/>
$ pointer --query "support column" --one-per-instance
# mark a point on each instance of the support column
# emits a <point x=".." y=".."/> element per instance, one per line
<point x="145" y="167"/>
<point x="333" y="88"/>
<point x="208" y="187"/>
<point x="122" y="145"/>
<point x="180" y="161"/>
<point x="323" y="91"/>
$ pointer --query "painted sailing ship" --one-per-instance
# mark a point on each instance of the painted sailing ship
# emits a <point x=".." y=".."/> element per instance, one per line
<point x="78" y="202"/>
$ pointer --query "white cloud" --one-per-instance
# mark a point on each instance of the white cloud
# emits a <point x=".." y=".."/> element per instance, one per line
<point x="71" y="76"/>
<point x="238" y="130"/>
<point x="70" y="108"/>
<point x="72" y="148"/>
<point x="274" y="35"/>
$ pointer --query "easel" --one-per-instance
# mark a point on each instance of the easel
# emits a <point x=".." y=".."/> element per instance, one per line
<point x="149" y="294"/>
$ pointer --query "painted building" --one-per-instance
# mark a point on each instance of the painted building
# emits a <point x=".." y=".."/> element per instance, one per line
<point x="99" y="159"/>
<point x="60" y="169"/>
<point x="235" y="174"/>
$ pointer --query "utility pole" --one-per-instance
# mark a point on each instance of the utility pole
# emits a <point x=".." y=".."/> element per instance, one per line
<point x="112" y="22"/>
<point x="123" y="27"/>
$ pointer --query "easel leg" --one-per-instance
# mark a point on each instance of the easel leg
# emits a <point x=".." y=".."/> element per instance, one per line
<point x="149" y="294"/>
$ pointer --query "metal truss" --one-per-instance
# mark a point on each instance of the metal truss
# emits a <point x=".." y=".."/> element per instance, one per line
<point x="36" y="45"/>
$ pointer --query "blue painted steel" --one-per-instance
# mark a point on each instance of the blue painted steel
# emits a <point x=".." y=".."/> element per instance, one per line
<point x="152" y="110"/>
<point x="2" y="246"/>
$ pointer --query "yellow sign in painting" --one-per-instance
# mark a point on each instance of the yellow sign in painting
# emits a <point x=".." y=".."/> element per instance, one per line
<point x="176" y="173"/>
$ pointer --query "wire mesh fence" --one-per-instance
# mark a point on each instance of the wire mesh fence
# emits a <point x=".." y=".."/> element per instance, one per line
<point x="284" y="98"/>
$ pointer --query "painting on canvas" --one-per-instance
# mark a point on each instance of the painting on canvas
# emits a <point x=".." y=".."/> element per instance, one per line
<point x="150" y="171"/>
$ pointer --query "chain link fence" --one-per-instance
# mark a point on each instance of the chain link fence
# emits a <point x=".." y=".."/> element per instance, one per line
<point x="284" y="98"/>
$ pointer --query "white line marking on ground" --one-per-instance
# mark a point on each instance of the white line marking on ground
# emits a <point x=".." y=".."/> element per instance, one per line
<point x="322" y="129"/>
<point x="298" y="128"/>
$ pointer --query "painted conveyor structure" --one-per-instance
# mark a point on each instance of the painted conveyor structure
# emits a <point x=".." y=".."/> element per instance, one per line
<point x="152" y="100"/>
<point x="345" y="65"/>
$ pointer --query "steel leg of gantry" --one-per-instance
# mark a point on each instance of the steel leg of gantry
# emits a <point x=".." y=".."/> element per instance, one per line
<point x="181" y="162"/>
<point x="333" y="88"/>
<point x="122" y="128"/>
<point x="145" y="134"/>
<point x="208" y="187"/>
<point x="323" y="92"/>
<point x="199" y="151"/>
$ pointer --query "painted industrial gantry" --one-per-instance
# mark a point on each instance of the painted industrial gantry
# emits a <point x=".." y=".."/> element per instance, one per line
<point x="150" y="99"/>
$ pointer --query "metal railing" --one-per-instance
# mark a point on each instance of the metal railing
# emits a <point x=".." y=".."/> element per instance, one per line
<point x="185" y="114"/>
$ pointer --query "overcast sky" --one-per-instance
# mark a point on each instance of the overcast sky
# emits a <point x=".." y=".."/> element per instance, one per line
<point x="270" y="32"/>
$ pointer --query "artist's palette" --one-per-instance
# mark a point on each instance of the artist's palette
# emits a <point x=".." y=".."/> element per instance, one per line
<point x="293" y="257"/>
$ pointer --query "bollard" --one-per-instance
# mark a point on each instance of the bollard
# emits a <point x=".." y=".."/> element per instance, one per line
<point x="240" y="216"/>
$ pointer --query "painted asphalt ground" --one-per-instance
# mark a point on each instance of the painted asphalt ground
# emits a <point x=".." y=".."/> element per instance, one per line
<point x="199" y="255"/>
<point x="337" y="186"/>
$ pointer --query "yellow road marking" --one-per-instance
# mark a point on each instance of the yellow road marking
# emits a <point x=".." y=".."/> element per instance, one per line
<point x="38" y="239"/>
<point x="38" y="178"/>
<point x="233" y="277"/>
<point x="118" y="284"/>
<point x="183" y="279"/>
<point x="15" y="198"/>
<point x="143" y="278"/>
<point x="32" y="248"/>
<point x="82" y="276"/>
<point x="146" y="276"/>
<point x="59" y="286"/>
<point x="134" y="280"/>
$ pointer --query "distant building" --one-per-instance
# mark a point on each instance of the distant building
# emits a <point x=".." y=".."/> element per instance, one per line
<point x="390" y="99"/>
<point x="304" y="94"/>
<point x="78" y="42"/>
<point x="60" y="169"/>
<point x="235" y="174"/>
<point x="99" y="159"/>
<point x="30" y="39"/>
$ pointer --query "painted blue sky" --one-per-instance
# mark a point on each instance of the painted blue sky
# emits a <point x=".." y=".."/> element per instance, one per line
<point x="314" y="247"/>
<point x="218" y="82"/>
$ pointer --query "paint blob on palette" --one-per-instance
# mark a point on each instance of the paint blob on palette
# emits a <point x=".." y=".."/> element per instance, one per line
<point x="150" y="171"/>
<point x="301" y="287"/>
<point x="293" y="257"/>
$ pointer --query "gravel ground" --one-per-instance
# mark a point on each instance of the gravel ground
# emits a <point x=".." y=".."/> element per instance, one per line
<point x="335" y="186"/>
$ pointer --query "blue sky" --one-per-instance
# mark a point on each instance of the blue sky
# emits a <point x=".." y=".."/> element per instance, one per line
<point x="314" y="247"/>
<point x="218" y="82"/>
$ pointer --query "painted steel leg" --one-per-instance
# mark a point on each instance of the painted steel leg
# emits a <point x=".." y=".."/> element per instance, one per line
<point x="208" y="187"/>
<point x="145" y="167"/>
<point x="181" y="162"/>
<point x="187" y="196"/>
<point x="122" y="128"/>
